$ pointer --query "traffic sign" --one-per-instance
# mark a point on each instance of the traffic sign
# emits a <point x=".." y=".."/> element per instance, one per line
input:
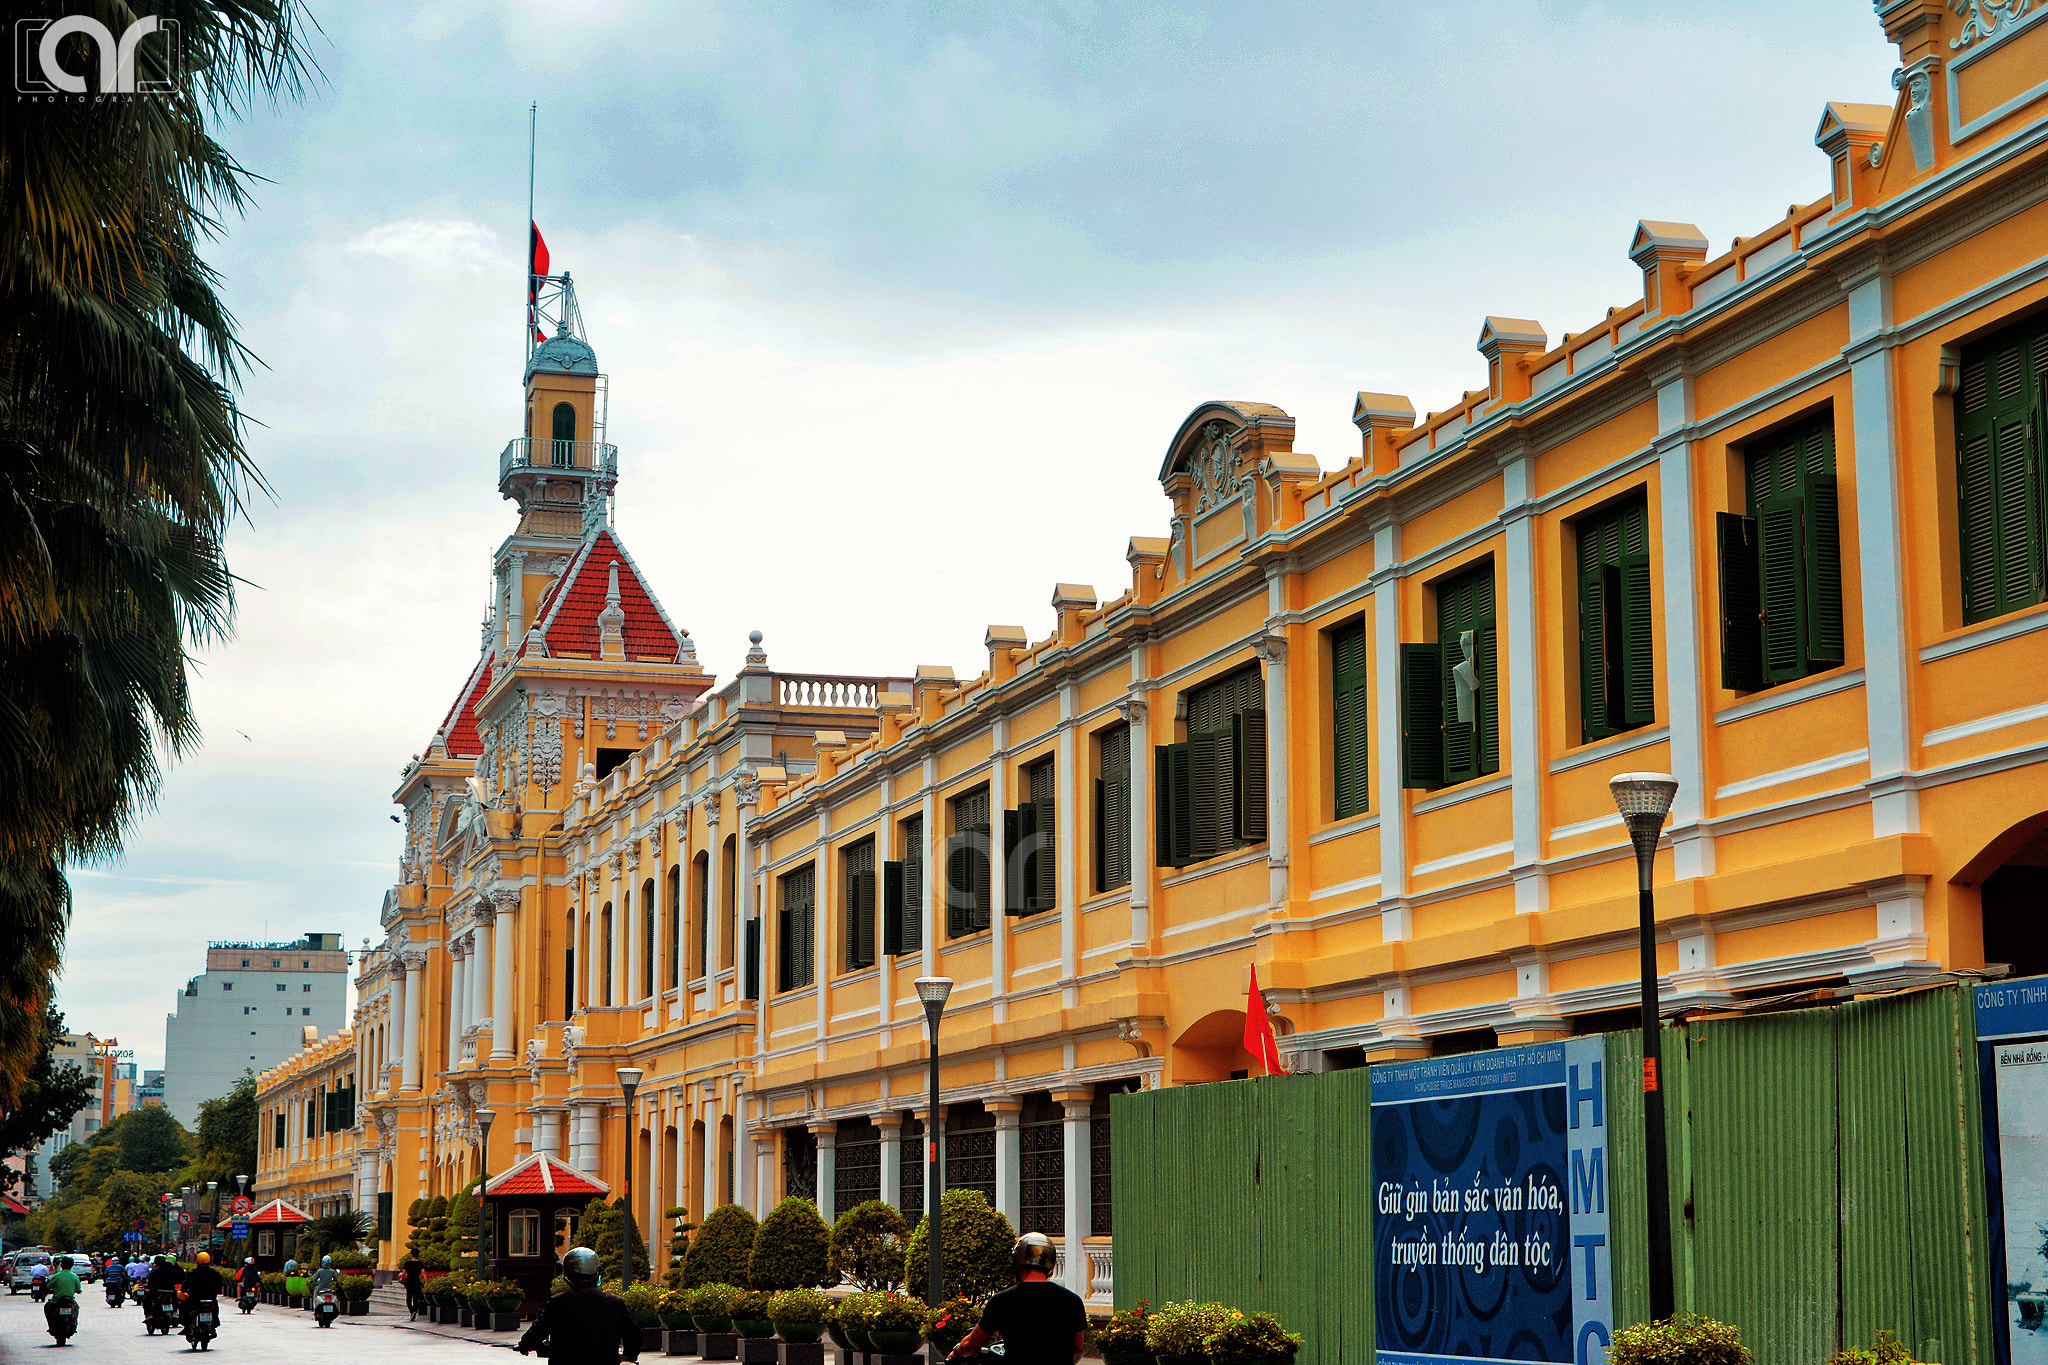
<point x="241" y="1231"/>
<point x="240" y="1208"/>
<point x="184" y="1218"/>
<point x="141" y="1225"/>
<point x="131" y="1236"/>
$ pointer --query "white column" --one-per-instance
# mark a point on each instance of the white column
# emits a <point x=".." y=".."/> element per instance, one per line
<point x="1518" y="653"/>
<point x="657" y="942"/>
<point x="458" y="999"/>
<point x="827" y="1135"/>
<point x="714" y="896"/>
<point x="593" y="933"/>
<point x="757" y="1198"/>
<point x="1134" y="713"/>
<point x="890" y="1125"/>
<point x="1887" y="662"/>
<point x="627" y="977"/>
<point x="586" y="1140"/>
<point x="1066" y="774"/>
<point x="409" y="1011"/>
<point x="683" y="1181"/>
<point x="1692" y="847"/>
<point x="479" y="973"/>
<point x="998" y="868"/>
<point x="1009" y="1161"/>
<point x="934" y="872"/>
<point x="708" y="1111"/>
<point x="1386" y="650"/>
<point x="1273" y="649"/>
<point x="502" y="928"/>
<point x="827" y="905"/>
<point x="1077" y="1168"/>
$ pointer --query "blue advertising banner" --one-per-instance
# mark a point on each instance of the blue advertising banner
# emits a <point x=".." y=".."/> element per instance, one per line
<point x="1490" y="1221"/>
<point x="2012" y="1081"/>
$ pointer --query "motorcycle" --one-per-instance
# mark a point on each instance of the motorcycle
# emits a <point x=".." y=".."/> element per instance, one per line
<point x="247" y="1302"/>
<point x="205" y="1324"/>
<point x="63" y="1320"/>
<point x="326" y="1308"/>
<point x="115" y="1294"/>
<point x="160" y="1311"/>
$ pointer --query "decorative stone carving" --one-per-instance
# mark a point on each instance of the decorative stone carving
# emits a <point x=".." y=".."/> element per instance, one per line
<point x="1985" y="17"/>
<point x="1132" y="709"/>
<point x="1215" y="469"/>
<point x="415" y="959"/>
<point x="572" y="1038"/>
<point x="1271" y="648"/>
<point x="546" y="757"/>
<point x="1918" y="82"/>
<point x="747" y="790"/>
<point x="536" y="1053"/>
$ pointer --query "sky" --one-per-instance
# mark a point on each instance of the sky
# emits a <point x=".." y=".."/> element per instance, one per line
<point x="900" y="304"/>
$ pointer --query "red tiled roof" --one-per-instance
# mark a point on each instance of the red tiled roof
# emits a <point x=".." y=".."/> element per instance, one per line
<point x="459" y="728"/>
<point x="15" y="1205"/>
<point x="542" y="1174"/>
<point x="276" y="1211"/>
<point x="568" y="611"/>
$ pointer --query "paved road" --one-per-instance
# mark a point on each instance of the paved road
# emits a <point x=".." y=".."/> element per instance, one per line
<point x="114" y="1336"/>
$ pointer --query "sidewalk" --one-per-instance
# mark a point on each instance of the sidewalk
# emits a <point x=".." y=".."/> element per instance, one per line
<point x="387" y="1309"/>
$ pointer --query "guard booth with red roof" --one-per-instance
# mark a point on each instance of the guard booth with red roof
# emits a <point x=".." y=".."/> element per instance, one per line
<point x="273" y="1232"/>
<point x="534" y="1209"/>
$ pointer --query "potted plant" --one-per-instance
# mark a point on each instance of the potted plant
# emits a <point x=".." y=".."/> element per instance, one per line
<point x="799" y="1315"/>
<point x="643" y="1305"/>
<point x="720" y="1251"/>
<point x="852" y="1320"/>
<point x="1176" y="1331"/>
<point x="1122" y="1339"/>
<point x="1251" y="1339"/>
<point x="354" y="1291"/>
<point x="790" y="1249"/>
<point x="674" y="1311"/>
<point x="711" y="1307"/>
<point x="867" y="1243"/>
<point x="948" y="1324"/>
<point x="896" y="1324"/>
<point x="1681" y="1339"/>
<point x="750" y="1313"/>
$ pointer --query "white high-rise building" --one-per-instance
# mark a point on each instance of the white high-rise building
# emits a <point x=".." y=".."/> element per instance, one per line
<point x="248" y="1011"/>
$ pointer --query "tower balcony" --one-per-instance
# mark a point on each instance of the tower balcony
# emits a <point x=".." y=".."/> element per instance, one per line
<point x="549" y="457"/>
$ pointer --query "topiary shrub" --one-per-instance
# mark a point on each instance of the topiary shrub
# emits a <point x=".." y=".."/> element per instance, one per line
<point x="1178" y="1329"/>
<point x="606" y="1229"/>
<point x="1681" y="1339"/>
<point x="678" y="1246"/>
<point x="867" y="1245"/>
<point x="721" y="1249"/>
<point x="790" y="1248"/>
<point x="463" y="1216"/>
<point x="977" y="1247"/>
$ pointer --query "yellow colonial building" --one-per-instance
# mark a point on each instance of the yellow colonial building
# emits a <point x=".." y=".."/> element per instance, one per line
<point x="306" y="1133"/>
<point x="1776" y="526"/>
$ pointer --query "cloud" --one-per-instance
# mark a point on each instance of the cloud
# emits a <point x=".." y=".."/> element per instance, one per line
<point x="439" y="248"/>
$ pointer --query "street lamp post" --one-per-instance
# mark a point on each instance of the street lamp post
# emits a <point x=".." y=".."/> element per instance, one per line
<point x="629" y="1081"/>
<point x="213" y="1212"/>
<point x="1644" y="799"/>
<point x="933" y="990"/>
<point x="486" y="1240"/>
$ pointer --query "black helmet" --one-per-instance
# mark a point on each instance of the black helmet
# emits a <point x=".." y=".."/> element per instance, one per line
<point x="1034" y="1251"/>
<point x="580" y="1266"/>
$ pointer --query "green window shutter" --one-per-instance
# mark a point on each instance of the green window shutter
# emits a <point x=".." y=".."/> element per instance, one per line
<point x="982" y="909"/>
<point x="1486" y="640"/>
<point x="1163" y="805"/>
<point x="1114" y="811"/>
<point x="1998" y="478"/>
<point x="1781" y="587"/>
<point x="1100" y="846"/>
<point x="959" y="887"/>
<point x="1599" y="652"/>
<point x="1251" y="776"/>
<point x="1422" y="720"/>
<point x="1638" y="641"/>
<point x="1976" y="515"/>
<point x="867" y="913"/>
<point x="1822" y="538"/>
<point x="1181" y="777"/>
<point x="1741" y="631"/>
<point x="913" y="885"/>
<point x="2019" y="516"/>
<point x="1016" y="829"/>
<point x="1211" y="782"/>
<point x="750" y="975"/>
<point x="1460" y="737"/>
<point x="892" y="908"/>
<point x="1046" y="863"/>
<point x="1349" y="720"/>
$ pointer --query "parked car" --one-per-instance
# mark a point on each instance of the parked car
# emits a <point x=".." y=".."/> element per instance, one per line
<point x="24" y="1262"/>
<point x="85" y="1266"/>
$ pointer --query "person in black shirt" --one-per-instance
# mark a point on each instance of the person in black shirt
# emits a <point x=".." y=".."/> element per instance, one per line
<point x="412" y="1275"/>
<point x="1041" y="1323"/>
<point x="203" y="1283"/>
<point x="584" y="1325"/>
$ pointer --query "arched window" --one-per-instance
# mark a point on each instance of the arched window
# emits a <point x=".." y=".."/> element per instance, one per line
<point x="522" y="1232"/>
<point x="675" y="927"/>
<point x="569" y="969"/>
<point x="565" y="436"/>
<point x="647" y="939"/>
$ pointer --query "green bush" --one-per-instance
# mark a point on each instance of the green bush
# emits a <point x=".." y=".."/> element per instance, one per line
<point x="867" y="1245"/>
<point x="606" y="1229"/>
<point x="352" y="1260"/>
<point x="355" y="1287"/>
<point x="1124" y="1333"/>
<point x="721" y="1249"/>
<point x="895" y="1313"/>
<point x="790" y="1248"/>
<point x="1251" y="1336"/>
<point x="712" y="1300"/>
<point x="1884" y="1349"/>
<point x="799" y="1306"/>
<point x="1178" y="1329"/>
<point x="1681" y="1339"/>
<point x="678" y="1245"/>
<point x="977" y="1243"/>
<point x="643" y="1302"/>
<point x="462" y="1222"/>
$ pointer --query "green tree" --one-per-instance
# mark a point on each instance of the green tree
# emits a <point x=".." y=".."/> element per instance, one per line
<point x="721" y="1249"/>
<point x="227" y="1126"/>
<point x="867" y="1245"/>
<point x="978" y="1241"/>
<point x="121" y="451"/>
<point x="340" y="1231"/>
<point x="49" y="1092"/>
<point x="151" y="1140"/>
<point x="126" y="1198"/>
<point x="464" y="1214"/>
<point x="790" y="1248"/>
<point x="605" y="1229"/>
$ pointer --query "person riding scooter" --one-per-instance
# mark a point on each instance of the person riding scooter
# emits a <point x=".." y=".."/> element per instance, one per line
<point x="39" y="1280"/>
<point x="326" y="1290"/>
<point x="116" y="1281"/>
<point x="200" y="1294"/>
<point x="160" y="1308"/>
<point x="248" y="1284"/>
<point x="61" y="1312"/>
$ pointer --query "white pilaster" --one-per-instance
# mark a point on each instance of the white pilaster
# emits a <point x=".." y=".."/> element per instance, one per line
<point x="713" y="1193"/>
<point x="1076" y="1167"/>
<point x="1066" y="812"/>
<point x="1518" y="652"/>
<point x="1692" y="847"/>
<point x="458" y="1001"/>
<point x="999" y="865"/>
<point x="1393" y="827"/>
<point x="1009" y="1164"/>
<point x="759" y="1196"/>
<point x="1887" y="662"/>
<point x="827" y="1136"/>
<point x="934" y="872"/>
<point x="1134" y="713"/>
<point x="502" y="929"/>
<point x="714" y="896"/>
<point x="890" y="1125"/>
<point x="1273" y="649"/>
<point x="409" y="1010"/>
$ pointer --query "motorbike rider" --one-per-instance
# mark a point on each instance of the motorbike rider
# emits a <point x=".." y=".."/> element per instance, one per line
<point x="583" y="1325"/>
<point x="326" y="1277"/>
<point x="248" y="1280"/>
<point x="116" y="1276"/>
<point x="38" y="1280"/>
<point x="62" y="1285"/>
<point x="202" y="1284"/>
<point x="1041" y="1323"/>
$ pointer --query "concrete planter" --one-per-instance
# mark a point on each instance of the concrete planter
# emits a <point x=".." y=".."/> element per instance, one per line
<point x="720" y="1345"/>
<point x="678" y="1342"/>
<point x="355" y="1308"/>
<point x="504" y="1322"/>
<point x="464" y="1316"/>
<point x="650" y="1339"/>
<point x="801" y="1353"/>
<point x="759" y="1351"/>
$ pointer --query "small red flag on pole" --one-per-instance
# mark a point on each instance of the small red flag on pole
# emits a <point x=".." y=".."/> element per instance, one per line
<point x="1258" y="1030"/>
<point x="536" y="271"/>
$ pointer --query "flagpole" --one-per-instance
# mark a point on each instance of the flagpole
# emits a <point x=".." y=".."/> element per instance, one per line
<point x="532" y="131"/>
